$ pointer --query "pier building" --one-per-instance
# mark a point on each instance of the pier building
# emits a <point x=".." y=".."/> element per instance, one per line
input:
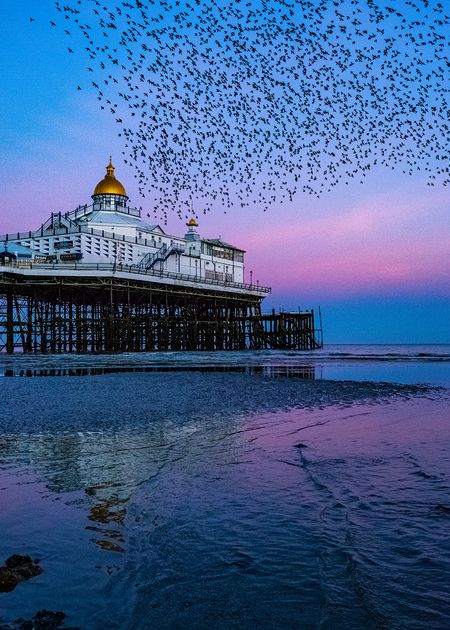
<point x="101" y="278"/>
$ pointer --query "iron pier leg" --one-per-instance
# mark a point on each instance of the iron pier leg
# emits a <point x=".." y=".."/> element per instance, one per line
<point x="9" y="323"/>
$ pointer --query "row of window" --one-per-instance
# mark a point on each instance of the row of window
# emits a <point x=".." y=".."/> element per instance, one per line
<point x="120" y="250"/>
<point x="222" y="252"/>
<point x="107" y="248"/>
<point x="42" y="245"/>
<point x="218" y="275"/>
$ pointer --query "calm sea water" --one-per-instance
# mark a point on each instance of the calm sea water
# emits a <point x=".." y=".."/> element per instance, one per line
<point x="230" y="490"/>
<point x="393" y="363"/>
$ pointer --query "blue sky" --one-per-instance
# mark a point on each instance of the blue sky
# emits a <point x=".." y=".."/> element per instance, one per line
<point x="375" y="256"/>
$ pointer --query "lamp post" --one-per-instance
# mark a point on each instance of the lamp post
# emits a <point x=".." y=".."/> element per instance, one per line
<point x="251" y="278"/>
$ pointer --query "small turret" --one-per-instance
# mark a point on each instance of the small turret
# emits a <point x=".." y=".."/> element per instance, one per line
<point x="109" y="192"/>
<point x="192" y="233"/>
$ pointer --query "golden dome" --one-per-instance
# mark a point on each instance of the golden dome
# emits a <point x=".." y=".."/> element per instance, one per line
<point x="109" y="184"/>
<point x="192" y="223"/>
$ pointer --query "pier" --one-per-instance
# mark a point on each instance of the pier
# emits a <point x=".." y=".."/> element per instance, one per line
<point x="95" y="308"/>
<point x="102" y="279"/>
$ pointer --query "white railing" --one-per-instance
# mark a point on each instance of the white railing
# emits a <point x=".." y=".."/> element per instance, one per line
<point x="132" y="269"/>
<point x="80" y="229"/>
<point x="82" y="210"/>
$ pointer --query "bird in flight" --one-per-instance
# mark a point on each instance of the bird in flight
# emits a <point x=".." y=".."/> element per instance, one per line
<point x="241" y="102"/>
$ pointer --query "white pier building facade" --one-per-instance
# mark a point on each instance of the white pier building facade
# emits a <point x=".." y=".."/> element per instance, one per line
<point x="110" y="231"/>
<point x="102" y="279"/>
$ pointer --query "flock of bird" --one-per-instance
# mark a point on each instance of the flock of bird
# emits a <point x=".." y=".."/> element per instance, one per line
<point x="224" y="103"/>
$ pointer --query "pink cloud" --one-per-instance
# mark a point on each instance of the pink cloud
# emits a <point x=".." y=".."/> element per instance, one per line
<point x="378" y="244"/>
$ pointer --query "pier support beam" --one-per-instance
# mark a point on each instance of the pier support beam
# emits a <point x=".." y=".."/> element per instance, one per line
<point x="9" y="322"/>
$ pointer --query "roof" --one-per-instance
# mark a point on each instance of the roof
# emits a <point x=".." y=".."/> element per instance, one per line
<point x="106" y="217"/>
<point x="219" y="243"/>
<point x="109" y="185"/>
<point x="112" y="218"/>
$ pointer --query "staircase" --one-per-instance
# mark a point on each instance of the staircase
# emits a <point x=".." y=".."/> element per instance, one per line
<point x="150" y="259"/>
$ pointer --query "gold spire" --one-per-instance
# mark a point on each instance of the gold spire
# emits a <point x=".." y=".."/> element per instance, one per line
<point x="110" y="167"/>
<point x="109" y="185"/>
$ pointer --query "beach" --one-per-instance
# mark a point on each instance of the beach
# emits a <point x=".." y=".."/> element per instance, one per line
<point x="234" y="490"/>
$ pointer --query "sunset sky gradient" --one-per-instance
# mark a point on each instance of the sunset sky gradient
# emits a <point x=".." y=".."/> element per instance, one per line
<point x="375" y="256"/>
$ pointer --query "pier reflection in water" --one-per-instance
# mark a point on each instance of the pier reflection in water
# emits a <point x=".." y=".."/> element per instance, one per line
<point x="307" y="372"/>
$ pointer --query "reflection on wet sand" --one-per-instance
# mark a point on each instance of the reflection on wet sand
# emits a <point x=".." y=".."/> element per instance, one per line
<point x="175" y="500"/>
<point x="107" y="510"/>
<point x="307" y="372"/>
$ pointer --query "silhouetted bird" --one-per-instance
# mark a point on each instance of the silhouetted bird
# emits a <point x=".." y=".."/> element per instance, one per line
<point x="237" y="102"/>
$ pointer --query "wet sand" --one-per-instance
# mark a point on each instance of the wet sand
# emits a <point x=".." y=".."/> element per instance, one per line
<point x="192" y="500"/>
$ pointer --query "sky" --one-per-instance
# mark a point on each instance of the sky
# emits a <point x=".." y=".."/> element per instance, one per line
<point x="374" y="256"/>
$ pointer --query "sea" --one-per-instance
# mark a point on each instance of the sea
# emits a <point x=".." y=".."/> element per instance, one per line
<point x="269" y="489"/>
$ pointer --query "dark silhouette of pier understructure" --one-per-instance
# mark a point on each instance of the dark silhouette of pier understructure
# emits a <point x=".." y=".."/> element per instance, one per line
<point x="75" y="314"/>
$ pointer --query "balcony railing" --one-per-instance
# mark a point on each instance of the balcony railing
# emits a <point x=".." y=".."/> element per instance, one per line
<point x="82" y="229"/>
<point x="134" y="269"/>
<point x="82" y="210"/>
